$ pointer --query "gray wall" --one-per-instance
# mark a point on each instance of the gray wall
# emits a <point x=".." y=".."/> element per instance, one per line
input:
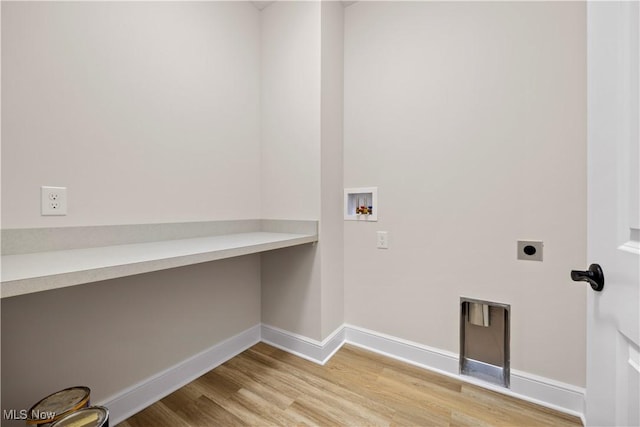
<point x="114" y="334"/>
<point x="331" y="166"/>
<point x="290" y="175"/>
<point x="471" y="120"/>
<point x="302" y="95"/>
<point x="148" y="112"/>
<point x="469" y="117"/>
<point x="145" y="111"/>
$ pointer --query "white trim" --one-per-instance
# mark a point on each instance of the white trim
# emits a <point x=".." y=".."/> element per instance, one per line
<point x="631" y="246"/>
<point x="546" y="392"/>
<point x="529" y="387"/>
<point x="407" y="351"/>
<point x="137" y="397"/>
<point x="313" y="350"/>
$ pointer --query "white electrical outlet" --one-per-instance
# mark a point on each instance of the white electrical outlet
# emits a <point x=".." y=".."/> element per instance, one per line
<point x="53" y="200"/>
<point x="383" y="240"/>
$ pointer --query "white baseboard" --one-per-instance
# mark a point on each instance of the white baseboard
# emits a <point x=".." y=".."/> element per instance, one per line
<point x="315" y="351"/>
<point x="434" y="359"/>
<point x="546" y="392"/>
<point x="139" y="396"/>
<point x="542" y="391"/>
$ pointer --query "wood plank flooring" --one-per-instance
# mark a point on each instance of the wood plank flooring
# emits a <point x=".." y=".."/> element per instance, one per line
<point x="265" y="386"/>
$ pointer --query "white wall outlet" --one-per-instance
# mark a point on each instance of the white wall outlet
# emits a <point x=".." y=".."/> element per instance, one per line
<point x="383" y="240"/>
<point x="53" y="200"/>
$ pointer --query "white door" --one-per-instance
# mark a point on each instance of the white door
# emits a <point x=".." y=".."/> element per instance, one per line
<point x="613" y="322"/>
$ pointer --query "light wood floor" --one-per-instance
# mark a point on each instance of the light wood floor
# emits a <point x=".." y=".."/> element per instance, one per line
<point x="265" y="386"/>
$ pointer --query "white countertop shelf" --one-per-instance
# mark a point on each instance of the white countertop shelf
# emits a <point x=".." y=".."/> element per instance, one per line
<point x="42" y="271"/>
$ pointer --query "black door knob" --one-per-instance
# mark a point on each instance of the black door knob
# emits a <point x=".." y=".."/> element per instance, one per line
<point x="593" y="275"/>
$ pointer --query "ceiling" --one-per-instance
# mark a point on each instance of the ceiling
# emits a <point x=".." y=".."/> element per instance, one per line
<point x="261" y="4"/>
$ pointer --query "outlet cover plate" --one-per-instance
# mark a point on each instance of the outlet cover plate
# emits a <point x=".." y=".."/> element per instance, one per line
<point x="383" y="240"/>
<point x="53" y="200"/>
<point x="530" y="250"/>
